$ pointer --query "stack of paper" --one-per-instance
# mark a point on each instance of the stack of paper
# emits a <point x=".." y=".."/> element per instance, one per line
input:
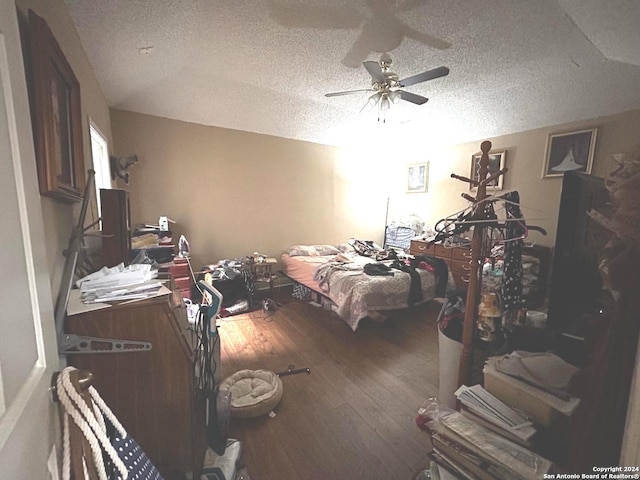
<point x="492" y="413"/>
<point x="119" y="283"/>
<point x="474" y="452"/>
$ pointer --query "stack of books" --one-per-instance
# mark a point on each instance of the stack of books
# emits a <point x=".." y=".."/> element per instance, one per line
<point x="153" y="242"/>
<point x="465" y="449"/>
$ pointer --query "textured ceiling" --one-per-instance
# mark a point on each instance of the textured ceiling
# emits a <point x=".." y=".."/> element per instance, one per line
<point x="264" y="66"/>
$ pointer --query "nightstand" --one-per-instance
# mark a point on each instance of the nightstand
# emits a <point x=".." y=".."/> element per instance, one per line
<point x="261" y="271"/>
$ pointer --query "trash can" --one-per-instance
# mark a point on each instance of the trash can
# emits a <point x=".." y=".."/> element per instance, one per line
<point x="450" y="326"/>
<point x="449" y="353"/>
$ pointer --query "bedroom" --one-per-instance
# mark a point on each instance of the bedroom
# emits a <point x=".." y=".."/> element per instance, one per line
<point x="217" y="169"/>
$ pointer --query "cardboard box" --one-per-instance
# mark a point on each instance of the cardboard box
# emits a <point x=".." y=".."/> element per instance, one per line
<point x="543" y="407"/>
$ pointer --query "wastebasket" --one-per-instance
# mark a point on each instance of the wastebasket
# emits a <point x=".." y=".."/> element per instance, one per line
<point x="449" y="353"/>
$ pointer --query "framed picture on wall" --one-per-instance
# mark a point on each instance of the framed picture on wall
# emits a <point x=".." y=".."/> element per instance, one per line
<point x="417" y="177"/>
<point x="57" y="118"/>
<point x="497" y="161"/>
<point x="569" y="151"/>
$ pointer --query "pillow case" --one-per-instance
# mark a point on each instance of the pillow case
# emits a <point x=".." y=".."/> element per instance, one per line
<point x="311" y="250"/>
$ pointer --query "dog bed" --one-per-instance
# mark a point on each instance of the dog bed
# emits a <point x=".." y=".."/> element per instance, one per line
<point x="253" y="392"/>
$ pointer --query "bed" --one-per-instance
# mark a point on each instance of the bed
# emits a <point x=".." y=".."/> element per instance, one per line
<point x="339" y="275"/>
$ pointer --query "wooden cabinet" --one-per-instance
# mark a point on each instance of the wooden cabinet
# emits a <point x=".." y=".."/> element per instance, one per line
<point x="457" y="258"/>
<point x="150" y="392"/>
<point x="116" y="226"/>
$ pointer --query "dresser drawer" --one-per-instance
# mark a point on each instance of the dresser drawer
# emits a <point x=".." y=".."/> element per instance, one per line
<point x="460" y="278"/>
<point x="442" y="252"/>
<point x="461" y="266"/>
<point x="420" y="247"/>
<point x="461" y="253"/>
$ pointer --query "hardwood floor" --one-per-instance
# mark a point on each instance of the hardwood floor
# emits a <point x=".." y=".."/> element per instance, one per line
<point x="353" y="417"/>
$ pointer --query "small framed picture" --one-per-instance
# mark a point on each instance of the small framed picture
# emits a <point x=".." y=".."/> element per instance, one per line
<point x="570" y="151"/>
<point x="417" y="177"/>
<point x="497" y="161"/>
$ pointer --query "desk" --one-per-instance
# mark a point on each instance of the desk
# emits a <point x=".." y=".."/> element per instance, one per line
<point x="150" y="392"/>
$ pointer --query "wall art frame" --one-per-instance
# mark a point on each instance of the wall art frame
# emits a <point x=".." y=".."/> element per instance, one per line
<point x="569" y="151"/>
<point x="418" y="177"/>
<point x="56" y="115"/>
<point x="497" y="161"/>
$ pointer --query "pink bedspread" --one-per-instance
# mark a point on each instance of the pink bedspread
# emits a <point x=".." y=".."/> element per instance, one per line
<point x="355" y="293"/>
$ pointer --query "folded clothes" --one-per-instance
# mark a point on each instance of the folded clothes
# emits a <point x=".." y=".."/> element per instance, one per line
<point x="377" y="269"/>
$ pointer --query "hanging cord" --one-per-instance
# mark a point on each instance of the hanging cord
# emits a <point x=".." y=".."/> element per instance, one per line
<point x="91" y="423"/>
<point x="204" y="365"/>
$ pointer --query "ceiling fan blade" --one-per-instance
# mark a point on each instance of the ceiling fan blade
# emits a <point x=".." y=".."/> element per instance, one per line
<point x="413" y="98"/>
<point x="374" y="70"/>
<point x="346" y="92"/>
<point x="424" y="76"/>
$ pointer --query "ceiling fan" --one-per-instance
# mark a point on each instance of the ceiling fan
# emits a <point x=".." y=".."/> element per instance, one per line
<point x="387" y="86"/>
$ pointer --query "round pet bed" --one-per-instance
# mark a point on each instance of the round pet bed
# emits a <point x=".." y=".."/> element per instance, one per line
<point x="253" y="392"/>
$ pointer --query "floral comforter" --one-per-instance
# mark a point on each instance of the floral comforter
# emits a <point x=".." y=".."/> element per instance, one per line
<point x="358" y="295"/>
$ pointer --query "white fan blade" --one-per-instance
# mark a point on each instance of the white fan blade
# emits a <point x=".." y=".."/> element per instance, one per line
<point x="424" y="76"/>
<point x="413" y="98"/>
<point x="346" y="92"/>
<point x="374" y="70"/>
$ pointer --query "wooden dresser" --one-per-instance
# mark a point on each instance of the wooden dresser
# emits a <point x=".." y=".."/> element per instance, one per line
<point x="457" y="258"/>
<point x="150" y="392"/>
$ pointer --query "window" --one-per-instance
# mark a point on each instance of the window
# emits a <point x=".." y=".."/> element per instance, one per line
<point x="100" y="155"/>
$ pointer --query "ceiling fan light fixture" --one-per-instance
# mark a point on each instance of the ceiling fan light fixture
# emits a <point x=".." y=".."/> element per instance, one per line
<point x="383" y="108"/>
<point x="388" y="87"/>
<point x="385" y="104"/>
<point x="371" y="102"/>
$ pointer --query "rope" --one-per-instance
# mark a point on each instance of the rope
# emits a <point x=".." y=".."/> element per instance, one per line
<point x="107" y="411"/>
<point x="91" y="423"/>
<point x="66" y="457"/>
<point x="66" y="393"/>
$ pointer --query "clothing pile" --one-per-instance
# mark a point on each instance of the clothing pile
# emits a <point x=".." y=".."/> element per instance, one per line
<point x="233" y="279"/>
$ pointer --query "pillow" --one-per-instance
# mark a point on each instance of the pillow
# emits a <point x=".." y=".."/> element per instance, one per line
<point x="345" y="248"/>
<point x="312" y="250"/>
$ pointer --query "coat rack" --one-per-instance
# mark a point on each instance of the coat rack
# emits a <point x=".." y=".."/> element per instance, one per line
<point x="478" y="254"/>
